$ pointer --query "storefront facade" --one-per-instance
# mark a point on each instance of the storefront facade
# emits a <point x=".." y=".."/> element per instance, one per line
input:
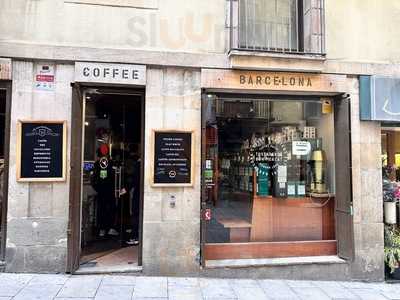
<point x="176" y="233"/>
<point x="270" y="144"/>
<point x="225" y="153"/>
<point x="51" y="225"/>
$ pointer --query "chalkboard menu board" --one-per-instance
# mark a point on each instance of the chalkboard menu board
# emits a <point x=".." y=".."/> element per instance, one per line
<point x="41" y="151"/>
<point x="172" y="158"/>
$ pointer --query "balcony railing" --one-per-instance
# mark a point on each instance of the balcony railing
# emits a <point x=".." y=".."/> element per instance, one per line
<point x="281" y="26"/>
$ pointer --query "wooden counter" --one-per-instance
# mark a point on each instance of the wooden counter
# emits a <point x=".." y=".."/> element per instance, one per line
<point x="292" y="219"/>
<point x="280" y="227"/>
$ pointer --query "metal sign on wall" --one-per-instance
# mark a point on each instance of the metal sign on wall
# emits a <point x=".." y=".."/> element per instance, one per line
<point x="379" y="98"/>
<point x="110" y="73"/>
<point x="5" y="69"/>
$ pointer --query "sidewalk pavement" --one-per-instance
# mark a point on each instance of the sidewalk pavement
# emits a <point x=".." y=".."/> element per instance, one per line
<point x="110" y="287"/>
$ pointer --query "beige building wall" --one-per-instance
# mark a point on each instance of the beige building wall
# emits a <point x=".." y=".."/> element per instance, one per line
<point x="356" y="31"/>
<point x="173" y="25"/>
<point x="363" y="30"/>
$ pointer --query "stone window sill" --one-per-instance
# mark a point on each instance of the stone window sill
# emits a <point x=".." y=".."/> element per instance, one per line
<point x="253" y="60"/>
<point x="268" y="262"/>
<point x="277" y="55"/>
<point x="143" y="4"/>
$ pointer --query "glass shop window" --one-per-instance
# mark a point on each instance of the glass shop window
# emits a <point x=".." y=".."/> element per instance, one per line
<point x="269" y="169"/>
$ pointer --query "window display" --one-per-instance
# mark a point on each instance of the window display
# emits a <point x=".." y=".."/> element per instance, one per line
<point x="390" y="153"/>
<point x="269" y="170"/>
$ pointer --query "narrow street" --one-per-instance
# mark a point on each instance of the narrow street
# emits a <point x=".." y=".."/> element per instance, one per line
<point x="109" y="287"/>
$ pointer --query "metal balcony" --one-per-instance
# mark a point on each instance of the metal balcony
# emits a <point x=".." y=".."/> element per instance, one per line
<point x="278" y="26"/>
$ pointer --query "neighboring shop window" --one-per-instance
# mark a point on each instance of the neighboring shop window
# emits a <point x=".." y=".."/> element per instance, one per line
<point x="390" y="143"/>
<point x="269" y="170"/>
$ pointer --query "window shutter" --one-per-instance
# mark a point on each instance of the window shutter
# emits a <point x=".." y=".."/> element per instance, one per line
<point x="344" y="214"/>
<point x="313" y="26"/>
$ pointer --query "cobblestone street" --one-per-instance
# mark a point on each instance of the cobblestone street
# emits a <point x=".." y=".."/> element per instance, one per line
<point x="110" y="287"/>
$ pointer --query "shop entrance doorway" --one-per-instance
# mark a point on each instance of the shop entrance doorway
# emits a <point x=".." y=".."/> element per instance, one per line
<point x="111" y="186"/>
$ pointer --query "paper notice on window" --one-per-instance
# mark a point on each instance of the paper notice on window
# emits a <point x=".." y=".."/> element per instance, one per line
<point x="301" y="148"/>
<point x="301" y="190"/>
<point x="291" y="189"/>
<point x="282" y="174"/>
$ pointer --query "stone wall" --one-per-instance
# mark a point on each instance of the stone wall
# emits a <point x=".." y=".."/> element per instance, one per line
<point x="37" y="212"/>
<point x="171" y="242"/>
<point x="367" y="193"/>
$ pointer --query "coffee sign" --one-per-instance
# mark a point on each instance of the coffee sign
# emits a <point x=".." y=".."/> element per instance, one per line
<point x="273" y="81"/>
<point x="110" y="73"/>
<point x="269" y="80"/>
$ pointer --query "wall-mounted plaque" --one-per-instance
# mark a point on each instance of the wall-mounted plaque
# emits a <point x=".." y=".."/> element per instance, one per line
<point x="173" y="158"/>
<point x="41" y="151"/>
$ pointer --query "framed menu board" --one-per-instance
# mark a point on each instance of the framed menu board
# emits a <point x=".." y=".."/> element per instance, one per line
<point x="173" y="160"/>
<point x="41" y="151"/>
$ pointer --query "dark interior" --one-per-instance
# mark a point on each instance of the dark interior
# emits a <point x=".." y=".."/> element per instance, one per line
<point x="111" y="179"/>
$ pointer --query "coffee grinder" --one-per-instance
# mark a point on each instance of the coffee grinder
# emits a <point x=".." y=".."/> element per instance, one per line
<point x="318" y="170"/>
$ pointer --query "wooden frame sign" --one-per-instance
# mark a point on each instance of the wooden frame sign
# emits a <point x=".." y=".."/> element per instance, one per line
<point x="41" y="151"/>
<point x="173" y="158"/>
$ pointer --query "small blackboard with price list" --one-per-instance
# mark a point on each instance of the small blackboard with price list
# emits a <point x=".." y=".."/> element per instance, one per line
<point x="173" y="158"/>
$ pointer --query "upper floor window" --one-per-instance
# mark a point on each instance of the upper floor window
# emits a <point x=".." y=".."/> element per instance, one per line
<point x="290" y="26"/>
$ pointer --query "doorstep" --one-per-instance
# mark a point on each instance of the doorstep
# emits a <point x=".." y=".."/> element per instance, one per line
<point x="108" y="270"/>
<point x="2" y="266"/>
<point x="265" y="262"/>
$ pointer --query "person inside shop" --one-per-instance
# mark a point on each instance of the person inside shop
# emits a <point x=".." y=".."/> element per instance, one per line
<point x="102" y="182"/>
<point x="134" y="197"/>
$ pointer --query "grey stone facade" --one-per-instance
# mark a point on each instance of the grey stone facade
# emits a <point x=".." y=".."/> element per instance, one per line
<point x="367" y="194"/>
<point x="37" y="212"/>
<point x="173" y="100"/>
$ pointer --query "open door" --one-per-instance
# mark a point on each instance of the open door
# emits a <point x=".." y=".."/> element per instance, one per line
<point x="75" y="180"/>
<point x="5" y="112"/>
<point x="344" y="203"/>
<point x="106" y="180"/>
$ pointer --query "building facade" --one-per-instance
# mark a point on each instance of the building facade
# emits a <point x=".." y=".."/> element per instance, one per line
<point x="202" y="122"/>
